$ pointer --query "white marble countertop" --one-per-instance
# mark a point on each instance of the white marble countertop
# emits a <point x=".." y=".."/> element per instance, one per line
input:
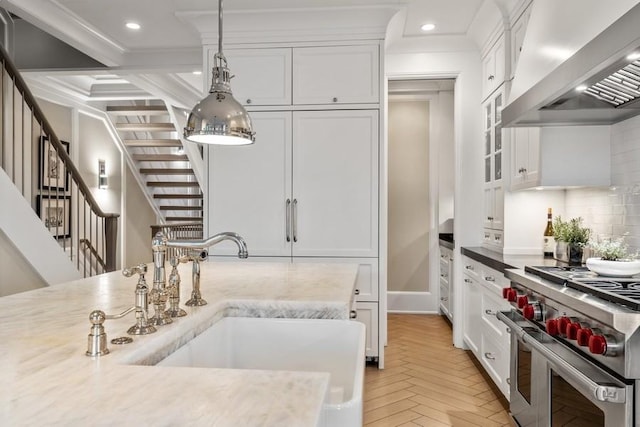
<point x="46" y="379"/>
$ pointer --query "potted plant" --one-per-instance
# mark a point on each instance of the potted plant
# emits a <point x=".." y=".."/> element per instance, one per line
<point x="571" y="238"/>
<point x="614" y="258"/>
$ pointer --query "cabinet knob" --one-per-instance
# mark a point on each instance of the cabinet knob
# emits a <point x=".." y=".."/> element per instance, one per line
<point x="357" y="292"/>
<point x="489" y="312"/>
<point x="444" y="299"/>
<point x="467" y="281"/>
<point x="335" y="99"/>
<point x="469" y="267"/>
<point x="353" y="314"/>
<point x="489" y="278"/>
<point x="444" y="276"/>
<point x="490" y="218"/>
<point x="491" y="77"/>
<point x="489" y="356"/>
<point x="249" y="101"/>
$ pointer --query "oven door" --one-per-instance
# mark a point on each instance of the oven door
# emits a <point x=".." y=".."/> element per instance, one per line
<point x="524" y="376"/>
<point x="570" y="389"/>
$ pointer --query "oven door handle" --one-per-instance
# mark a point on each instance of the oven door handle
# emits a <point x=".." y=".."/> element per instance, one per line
<point x="599" y="392"/>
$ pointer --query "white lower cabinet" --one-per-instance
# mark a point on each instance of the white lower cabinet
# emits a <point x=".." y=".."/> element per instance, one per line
<point x="367" y="313"/>
<point x="446" y="279"/>
<point x="485" y="335"/>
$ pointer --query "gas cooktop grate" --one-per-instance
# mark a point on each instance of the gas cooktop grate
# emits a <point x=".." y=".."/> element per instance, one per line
<point x="623" y="291"/>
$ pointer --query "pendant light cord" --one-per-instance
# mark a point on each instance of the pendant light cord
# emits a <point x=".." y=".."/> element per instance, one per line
<point x="220" y="27"/>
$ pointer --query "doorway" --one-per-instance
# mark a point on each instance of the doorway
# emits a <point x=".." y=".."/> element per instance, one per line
<point x="420" y="189"/>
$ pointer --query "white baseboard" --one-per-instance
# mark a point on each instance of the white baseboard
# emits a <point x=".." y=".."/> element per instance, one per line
<point x="412" y="302"/>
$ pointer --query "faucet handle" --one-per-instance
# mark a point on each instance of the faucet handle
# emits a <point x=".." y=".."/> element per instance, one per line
<point x="140" y="269"/>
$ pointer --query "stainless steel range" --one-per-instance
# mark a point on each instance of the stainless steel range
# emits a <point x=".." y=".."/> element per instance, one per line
<point x="575" y="354"/>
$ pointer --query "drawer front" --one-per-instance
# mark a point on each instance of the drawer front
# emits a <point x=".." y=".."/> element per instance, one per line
<point x="492" y="279"/>
<point x="495" y="359"/>
<point x="445" y="299"/>
<point x="471" y="267"/>
<point x="491" y="304"/>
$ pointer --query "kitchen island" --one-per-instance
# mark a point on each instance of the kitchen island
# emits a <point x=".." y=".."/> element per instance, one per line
<point x="47" y="379"/>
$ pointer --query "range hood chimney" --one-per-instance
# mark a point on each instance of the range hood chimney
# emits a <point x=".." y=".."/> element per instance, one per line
<point x="598" y="85"/>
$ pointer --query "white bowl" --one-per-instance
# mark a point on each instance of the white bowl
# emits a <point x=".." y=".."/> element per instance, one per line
<point x="626" y="268"/>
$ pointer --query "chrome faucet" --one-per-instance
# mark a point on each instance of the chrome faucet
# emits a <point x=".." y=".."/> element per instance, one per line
<point x="159" y="246"/>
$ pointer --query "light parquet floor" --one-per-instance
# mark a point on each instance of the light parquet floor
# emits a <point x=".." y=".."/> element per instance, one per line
<point x="429" y="382"/>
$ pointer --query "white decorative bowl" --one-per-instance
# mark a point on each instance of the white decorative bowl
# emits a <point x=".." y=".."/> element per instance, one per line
<point x="614" y="268"/>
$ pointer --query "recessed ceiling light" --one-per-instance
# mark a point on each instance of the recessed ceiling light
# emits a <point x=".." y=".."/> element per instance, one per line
<point x="634" y="56"/>
<point x="581" y="88"/>
<point x="133" y="25"/>
<point x="197" y="72"/>
<point x="428" y="27"/>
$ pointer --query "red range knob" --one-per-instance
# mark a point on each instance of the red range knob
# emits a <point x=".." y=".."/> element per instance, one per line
<point x="562" y="324"/>
<point x="523" y="301"/>
<point x="512" y="295"/>
<point x="572" y="330"/>
<point x="583" y="336"/>
<point x="552" y="327"/>
<point x="597" y="344"/>
<point x="529" y="312"/>
<point x="505" y="292"/>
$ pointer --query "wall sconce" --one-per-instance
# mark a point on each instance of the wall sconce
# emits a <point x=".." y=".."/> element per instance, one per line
<point x="102" y="175"/>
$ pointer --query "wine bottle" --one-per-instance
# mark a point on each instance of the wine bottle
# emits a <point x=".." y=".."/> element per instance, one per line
<point x="548" y="239"/>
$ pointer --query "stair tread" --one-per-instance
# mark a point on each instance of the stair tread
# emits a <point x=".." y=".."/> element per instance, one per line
<point x="160" y="157"/>
<point x="166" y="171"/>
<point x="153" y="143"/>
<point x="146" y="127"/>
<point x="178" y="196"/>
<point x="172" y="184"/>
<point x="184" y="218"/>
<point x="180" y="208"/>
<point x="136" y="110"/>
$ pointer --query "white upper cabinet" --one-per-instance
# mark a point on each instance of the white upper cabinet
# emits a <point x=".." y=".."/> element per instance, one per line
<point x="335" y="183"/>
<point x="249" y="187"/>
<point x="261" y="76"/>
<point x="336" y="75"/>
<point x="493" y="68"/>
<point x="561" y="156"/>
<point x="525" y="158"/>
<point x="518" y="31"/>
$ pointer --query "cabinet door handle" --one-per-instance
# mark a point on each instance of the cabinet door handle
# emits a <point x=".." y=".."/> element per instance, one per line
<point x="467" y="281"/>
<point x="444" y="276"/>
<point x="469" y="267"/>
<point x="288" y="219"/>
<point x="295" y="220"/>
<point x="357" y="291"/>
<point x="335" y="99"/>
<point x="489" y="278"/>
<point x="489" y="356"/>
<point x="491" y="77"/>
<point x="353" y="314"/>
<point x="249" y="101"/>
<point x="444" y="299"/>
<point x="489" y="312"/>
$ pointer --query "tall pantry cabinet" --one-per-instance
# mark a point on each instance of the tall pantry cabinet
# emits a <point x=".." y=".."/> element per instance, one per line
<point x="308" y="189"/>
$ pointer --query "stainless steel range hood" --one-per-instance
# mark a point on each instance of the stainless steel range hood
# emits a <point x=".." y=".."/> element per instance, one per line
<point x="598" y="66"/>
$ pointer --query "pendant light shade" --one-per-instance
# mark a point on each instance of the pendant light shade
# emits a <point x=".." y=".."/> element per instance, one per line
<point x="219" y="118"/>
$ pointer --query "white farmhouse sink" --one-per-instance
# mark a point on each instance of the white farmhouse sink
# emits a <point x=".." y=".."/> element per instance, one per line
<point x="318" y="345"/>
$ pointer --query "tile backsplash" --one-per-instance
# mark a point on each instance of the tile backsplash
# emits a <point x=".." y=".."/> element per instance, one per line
<point x="614" y="211"/>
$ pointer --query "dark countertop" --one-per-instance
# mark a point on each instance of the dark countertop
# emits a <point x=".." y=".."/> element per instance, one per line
<point x="446" y="240"/>
<point x="500" y="262"/>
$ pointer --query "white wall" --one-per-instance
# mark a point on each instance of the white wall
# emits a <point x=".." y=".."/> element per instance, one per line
<point x="446" y="157"/>
<point x="615" y="212"/>
<point x="136" y="223"/>
<point x="408" y="220"/>
<point x="17" y="274"/>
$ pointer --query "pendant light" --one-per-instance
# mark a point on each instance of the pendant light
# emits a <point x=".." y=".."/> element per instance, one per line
<point x="219" y="118"/>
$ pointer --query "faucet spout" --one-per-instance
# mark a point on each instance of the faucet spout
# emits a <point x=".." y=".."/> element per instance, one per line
<point x="211" y="241"/>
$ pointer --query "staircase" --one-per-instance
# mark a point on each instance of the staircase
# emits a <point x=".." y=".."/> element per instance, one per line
<point x="153" y="143"/>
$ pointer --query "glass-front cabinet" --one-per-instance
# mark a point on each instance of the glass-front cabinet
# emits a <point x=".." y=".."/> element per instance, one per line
<point x="493" y="158"/>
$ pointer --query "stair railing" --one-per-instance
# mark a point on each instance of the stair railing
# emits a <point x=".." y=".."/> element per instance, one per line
<point x="41" y="168"/>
